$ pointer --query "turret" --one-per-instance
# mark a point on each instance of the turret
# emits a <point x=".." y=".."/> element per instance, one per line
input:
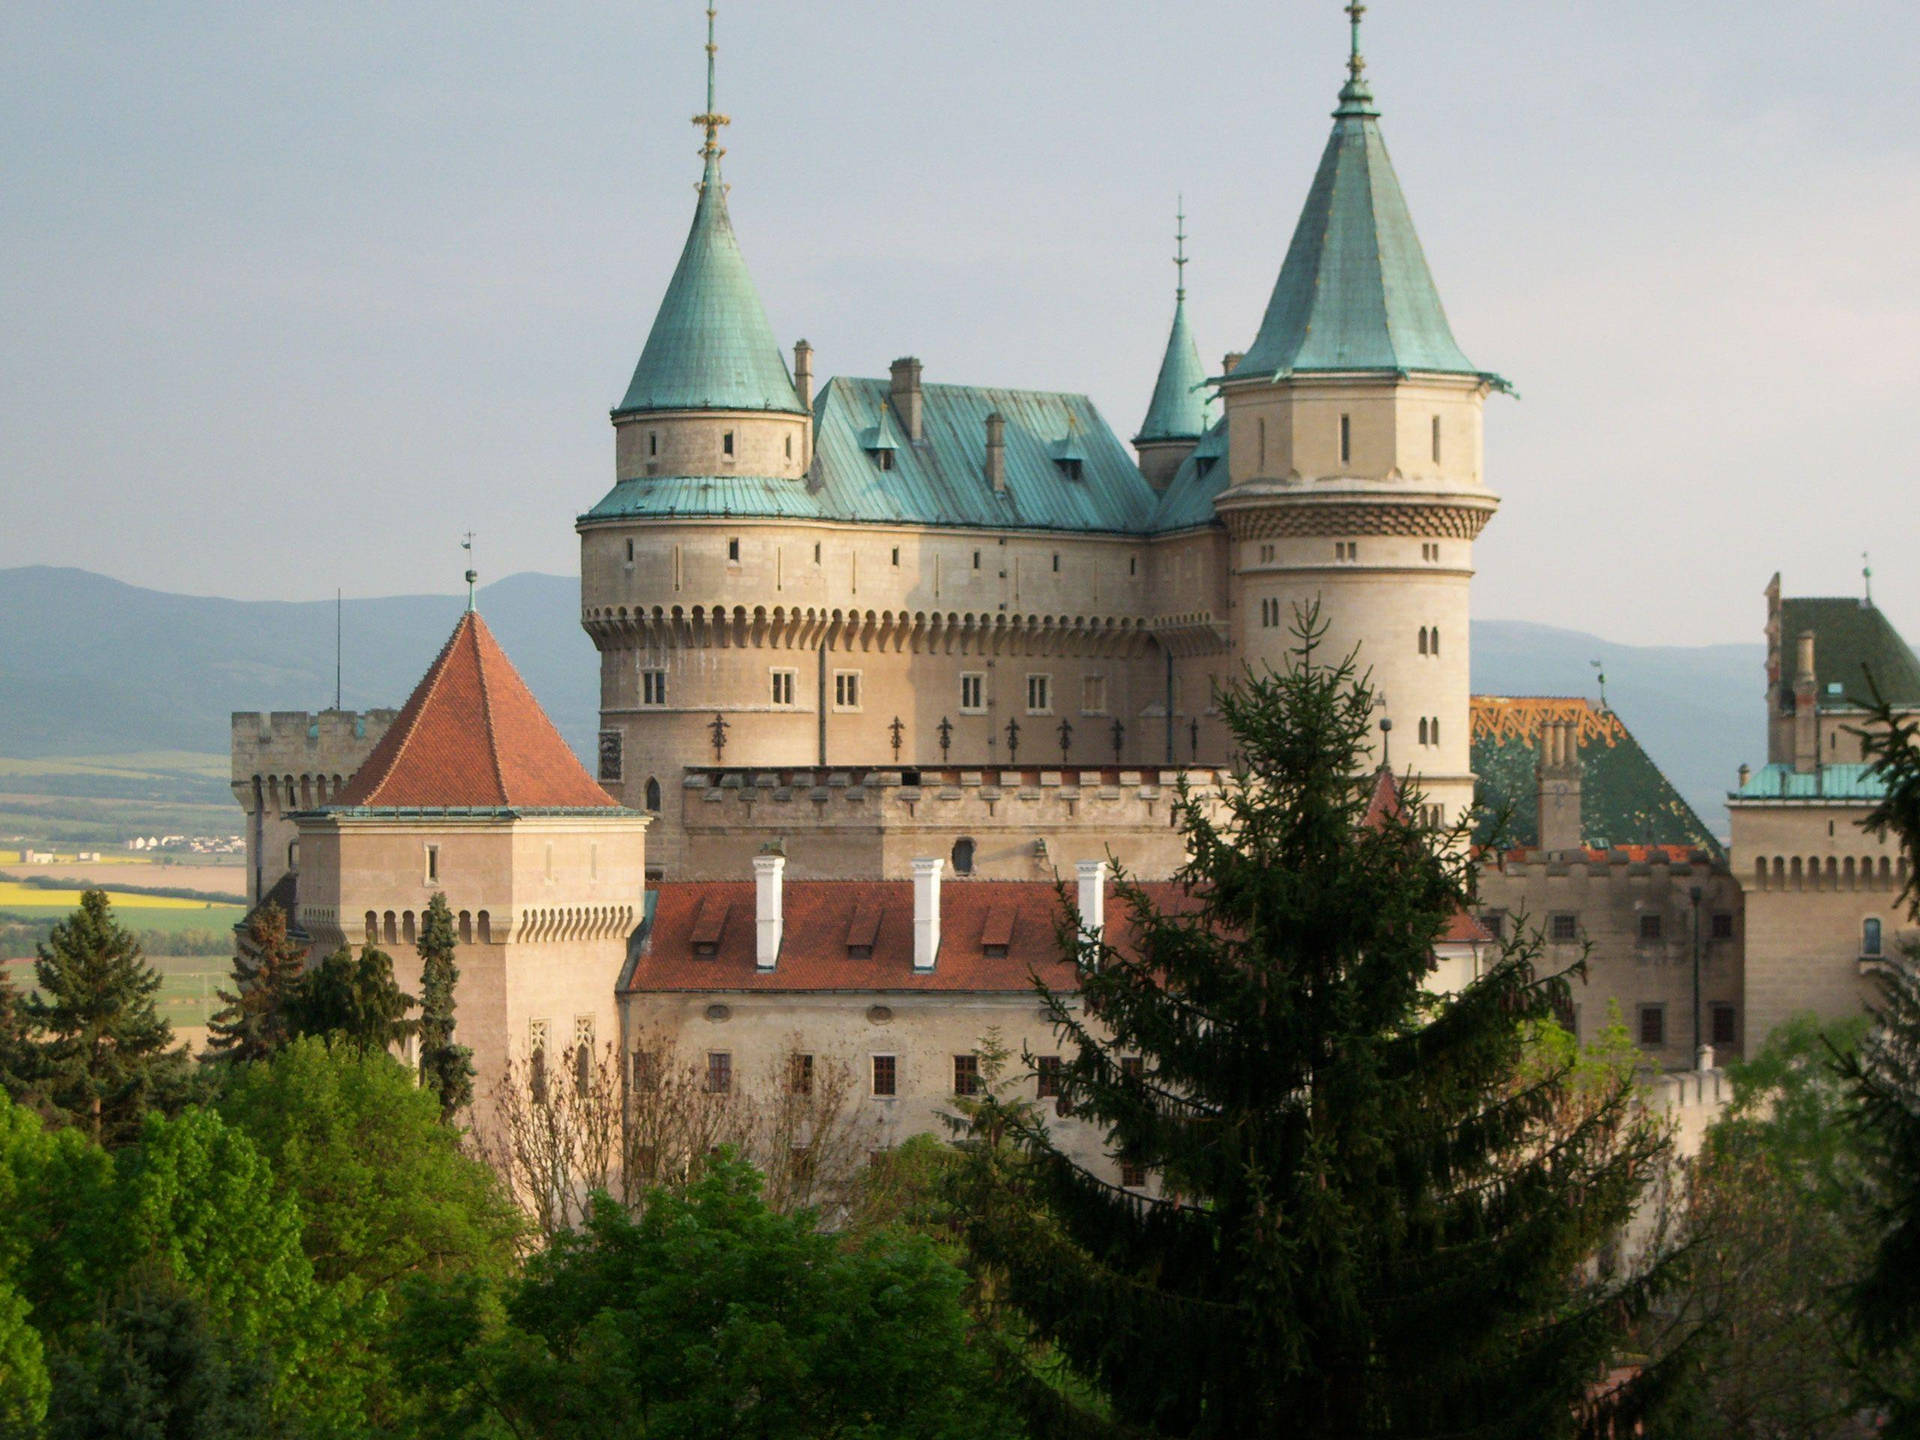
<point x="711" y="395"/>
<point x="1354" y="454"/>
<point x="1181" y="411"/>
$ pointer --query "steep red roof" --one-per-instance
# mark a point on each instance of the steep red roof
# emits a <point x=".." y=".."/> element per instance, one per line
<point x="1384" y="802"/>
<point x="472" y="737"/>
<point x="995" y="935"/>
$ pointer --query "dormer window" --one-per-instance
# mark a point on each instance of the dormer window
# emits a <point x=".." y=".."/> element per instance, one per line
<point x="996" y="937"/>
<point x="1073" y="469"/>
<point x="884" y="459"/>
<point x="862" y="931"/>
<point x="708" y="923"/>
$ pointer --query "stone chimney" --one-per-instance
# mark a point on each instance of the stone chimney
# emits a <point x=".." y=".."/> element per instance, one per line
<point x="1746" y="774"/>
<point x="907" y="397"/>
<point x="1806" y="708"/>
<point x="769" y="880"/>
<point x="803" y="372"/>
<point x="1093" y="897"/>
<point x="997" y="452"/>
<point x="926" y="914"/>
<point x="1558" y="776"/>
<point x="1232" y="361"/>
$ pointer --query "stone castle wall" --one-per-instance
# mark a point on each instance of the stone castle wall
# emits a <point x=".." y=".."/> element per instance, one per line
<point x="292" y="760"/>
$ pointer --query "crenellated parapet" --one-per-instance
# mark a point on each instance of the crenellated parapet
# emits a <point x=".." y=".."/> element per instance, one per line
<point x="288" y="760"/>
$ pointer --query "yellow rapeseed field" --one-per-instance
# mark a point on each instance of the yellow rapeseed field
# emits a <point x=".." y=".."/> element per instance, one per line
<point x="15" y="896"/>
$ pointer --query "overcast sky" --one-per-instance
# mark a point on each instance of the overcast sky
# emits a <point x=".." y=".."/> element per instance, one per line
<point x="293" y="294"/>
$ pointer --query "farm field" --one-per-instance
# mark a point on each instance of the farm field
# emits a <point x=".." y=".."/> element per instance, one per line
<point x="134" y="874"/>
<point x="187" y="986"/>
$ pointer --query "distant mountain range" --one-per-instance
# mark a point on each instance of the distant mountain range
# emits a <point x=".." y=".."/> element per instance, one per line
<point x="92" y="666"/>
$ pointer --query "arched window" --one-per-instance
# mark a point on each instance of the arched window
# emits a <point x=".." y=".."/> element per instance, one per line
<point x="1433" y="730"/>
<point x="1423" y="729"/>
<point x="1423" y="639"/>
<point x="1870" y="938"/>
<point x="393" y="933"/>
<point x="293" y="855"/>
<point x="406" y="926"/>
<point x="484" y="928"/>
<point x="1433" y="641"/>
<point x="373" y="927"/>
<point x="653" y="794"/>
<point x="466" y="928"/>
<point x="963" y="856"/>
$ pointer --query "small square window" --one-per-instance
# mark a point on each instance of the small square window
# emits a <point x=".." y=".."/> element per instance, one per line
<point x="1721" y="927"/>
<point x="966" y="1074"/>
<point x="1039" y="694"/>
<point x="1653" y="1026"/>
<point x="1132" y="1174"/>
<point x="1133" y="1067"/>
<point x="1651" y="927"/>
<point x="886" y="1075"/>
<point x="1725" y="1025"/>
<point x="973" y="693"/>
<point x="1563" y="929"/>
<point x="653" y="687"/>
<point x="846" y="689"/>
<point x="1048" y="1077"/>
<point x="719" y="1072"/>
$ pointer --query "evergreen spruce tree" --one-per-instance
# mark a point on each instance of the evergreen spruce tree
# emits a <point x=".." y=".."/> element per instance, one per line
<point x="266" y="973"/>
<point x="352" y="999"/>
<point x="1368" y="1205"/>
<point x="102" y="1050"/>
<point x="446" y="1068"/>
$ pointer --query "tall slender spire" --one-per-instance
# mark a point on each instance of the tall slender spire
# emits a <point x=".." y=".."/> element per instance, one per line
<point x="1356" y="96"/>
<point x="1180" y="252"/>
<point x="712" y="120"/>
<point x="1180" y="409"/>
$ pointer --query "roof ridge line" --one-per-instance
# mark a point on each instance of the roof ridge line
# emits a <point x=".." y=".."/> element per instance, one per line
<point x="438" y="672"/>
<point x="486" y="711"/>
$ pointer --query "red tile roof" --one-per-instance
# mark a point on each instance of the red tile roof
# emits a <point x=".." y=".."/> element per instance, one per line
<point x="1385" y="799"/>
<point x="825" y="920"/>
<point x="472" y="737"/>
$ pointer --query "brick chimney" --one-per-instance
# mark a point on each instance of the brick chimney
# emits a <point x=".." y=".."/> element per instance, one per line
<point x="926" y="914"/>
<point x="1558" y="790"/>
<point x="907" y="397"/>
<point x="1806" y="708"/>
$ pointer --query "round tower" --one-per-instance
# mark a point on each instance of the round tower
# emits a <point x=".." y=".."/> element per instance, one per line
<point x="1355" y="457"/>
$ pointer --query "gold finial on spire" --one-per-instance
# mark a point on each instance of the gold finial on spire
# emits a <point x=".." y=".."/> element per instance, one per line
<point x="1356" y="62"/>
<point x="1180" y="250"/>
<point x="713" y="119"/>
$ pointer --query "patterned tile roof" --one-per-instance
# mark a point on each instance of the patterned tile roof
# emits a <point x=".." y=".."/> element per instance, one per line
<point x="995" y="936"/>
<point x="472" y="737"/>
<point x="1355" y="292"/>
<point x="711" y="347"/>
<point x="1851" y="639"/>
<point x="1624" y="799"/>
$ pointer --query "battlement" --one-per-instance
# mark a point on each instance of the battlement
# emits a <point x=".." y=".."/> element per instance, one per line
<point x="1001" y="822"/>
<point x="298" y="742"/>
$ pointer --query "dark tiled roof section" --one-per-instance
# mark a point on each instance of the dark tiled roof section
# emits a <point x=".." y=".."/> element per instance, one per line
<point x="825" y="920"/>
<point x="1851" y="639"/>
<point x="1624" y="799"/>
<point x="471" y="736"/>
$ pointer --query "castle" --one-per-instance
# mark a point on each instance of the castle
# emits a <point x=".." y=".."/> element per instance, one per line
<point x="882" y="659"/>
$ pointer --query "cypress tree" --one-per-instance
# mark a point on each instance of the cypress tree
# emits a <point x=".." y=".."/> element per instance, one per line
<point x="1369" y="1205"/>
<point x="266" y="973"/>
<point x="445" y="1068"/>
<point x="102" y="1049"/>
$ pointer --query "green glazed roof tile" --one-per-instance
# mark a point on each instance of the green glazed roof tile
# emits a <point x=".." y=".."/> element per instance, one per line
<point x="711" y="347"/>
<point x="1355" y="292"/>
<point x="1851" y="639"/>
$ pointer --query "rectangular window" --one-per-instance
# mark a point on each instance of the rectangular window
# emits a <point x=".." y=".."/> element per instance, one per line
<point x="1134" y="1067"/>
<point x="1722" y="925"/>
<point x="1724" y="1026"/>
<point x="783" y="686"/>
<point x="886" y="1075"/>
<point x="846" y="689"/>
<point x="433" y="864"/>
<point x="1056" y="562"/>
<point x="1346" y="439"/>
<point x="976" y="559"/>
<point x="1132" y="1174"/>
<point x="800" y="1075"/>
<point x="645" y="1071"/>
<point x="816" y="552"/>
<point x="653" y="687"/>
<point x="1436" y="439"/>
<point x="1870" y="943"/>
<point x="896" y="554"/>
<point x="1093" y="695"/>
<point x="733" y="552"/>
<point x="726" y="444"/>
<point x="1653" y="1026"/>
<point x="966" y="1074"/>
<point x="1651" y="927"/>
<point x="1563" y="929"/>
<point x="973" y="693"/>
<point x="653" y="442"/>
<point x="1039" y="694"/>
<point x="629" y="552"/>
<point x="719" y="1072"/>
<point x="537" y="1060"/>
<point x="1047" y="1076"/>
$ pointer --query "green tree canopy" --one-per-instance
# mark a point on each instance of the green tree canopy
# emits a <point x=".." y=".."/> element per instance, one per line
<point x="446" y="1067"/>
<point x="1367" y="1207"/>
<point x="709" y="1315"/>
<point x="267" y="970"/>
<point x="104" y="1052"/>
<point x="352" y="999"/>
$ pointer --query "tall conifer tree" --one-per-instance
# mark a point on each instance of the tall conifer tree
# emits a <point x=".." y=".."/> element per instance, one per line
<point x="446" y="1068"/>
<point x="266" y="974"/>
<point x="353" y="999"/>
<point x="1365" y="1205"/>
<point x="104" y="1051"/>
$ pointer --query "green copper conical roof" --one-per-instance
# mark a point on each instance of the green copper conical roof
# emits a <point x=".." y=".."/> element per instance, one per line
<point x="1355" y="292"/>
<point x="1180" y="399"/>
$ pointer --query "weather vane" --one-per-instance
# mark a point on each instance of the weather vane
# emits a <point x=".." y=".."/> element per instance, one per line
<point x="472" y="574"/>
<point x="1866" y="573"/>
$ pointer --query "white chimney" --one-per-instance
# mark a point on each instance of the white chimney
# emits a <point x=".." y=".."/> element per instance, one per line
<point x="1093" y="897"/>
<point x="926" y="913"/>
<point x="769" y="873"/>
